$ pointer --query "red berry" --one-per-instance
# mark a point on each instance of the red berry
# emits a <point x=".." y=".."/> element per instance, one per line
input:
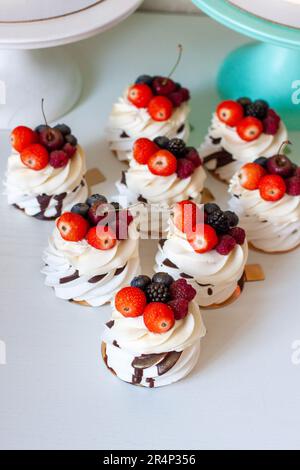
<point x="58" y="159"/>
<point x="130" y="302"/>
<point x="185" y="94"/>
<point x="180" y="289"/>
<point x="250" y="175"/>
<point x="249" y="128"/>
<point x="162" y="163"/>
<point x="187" y="215"/>
<point x="238" y="234"/>
<point x="158" y="317"/>
<point x="35" y="157"/>
<point x="69" y="149"/>
<point x="101" y="212"/>
<point x="192" y="154"/>
<point x="22" y="137"/>
<point x="185" y="168"/>
<point x="271" y="122"/>
<point x="101" y="237"/>
<point x="160" y="108"/>
<point x="231" y="112"/>
<point x="272" y="187"/>
<point x="226" y="245"/>
<point x="140" y="95"/>
<point x="72" y="227"/>
<point x="203" y="238"/>
<point x="163" y="86"/>
<point x="143" y="149"/>
<point x="180" y="308"/>
<point x="176" y="98"/>
<point x="293" y="186"/>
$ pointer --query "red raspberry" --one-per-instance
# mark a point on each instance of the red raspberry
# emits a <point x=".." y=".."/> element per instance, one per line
<point x="158" y="317"/>
<point x="293" y="186"/>
<point x="185" y="168"/>
<point x="192" y="155"/>
<point x="101" y="237"/>
<point x="72" y="227"/>
<point x="180" y="308"/>
<point x="162" y="163"/>
<point x="231" y="112"/>
<point x="35" y="157"/>
<point x="22" y="137"/>
<point x="271" y="122"/>
<point x="249" y="128"/>
<point x="226" y="245"/>
<point x="238" y="234"/>
<point x="143" y="149"/>
<point x="250" y="175"/>
<point x="272" y="187"/>
<point x="180" y="289"/>
<point x="203" y="238"/>
<point x="140" y="95"/>
<point x="58" y="159"/>
<point x="130" y="302"/>
<point x="160" y="108"/>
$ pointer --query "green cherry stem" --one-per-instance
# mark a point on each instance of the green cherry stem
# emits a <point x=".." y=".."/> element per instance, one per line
<point x="284" y="144"/>
<point x="43" y="112"/>
<point x="180" y="49"/>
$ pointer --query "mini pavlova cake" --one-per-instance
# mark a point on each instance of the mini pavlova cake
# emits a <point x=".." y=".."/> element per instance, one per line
<point x="92" y="253"/>
<point x="240" y="132"/>
<point x="206" y="247"/>
<point x="153" y="337"/>
<point x="266" y="195"/>
<point x="152" y="106"/>
<point x="45" y="173"/>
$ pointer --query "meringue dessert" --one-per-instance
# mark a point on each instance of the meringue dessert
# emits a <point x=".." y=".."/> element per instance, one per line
<point x="153" y="337"/>
<point x="45" y="173"/>
<point x="240" y="132"/>
<point x="150" y="107"/>
<point x="266" y="195"/>
<point x="92" y="253"/>
<point x="206" y="247"/>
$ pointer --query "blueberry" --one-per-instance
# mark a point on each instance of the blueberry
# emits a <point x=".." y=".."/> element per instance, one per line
<point x="71" y="139"/>
<point x="244" y="101"/>
<point x="210" y="208"/>
<point x="81" y="209"/>
<point x="64" y="129"/>
<point x="162" y="142"/>
<point x="147" y="79"/>
<point x="163" y="278"/>
<point x="96" y="198"/>
<point x="41" y="127"/>
<point x="141" y="282"/>
<point x="232" y="218"/>
<point x="262" y="161"/>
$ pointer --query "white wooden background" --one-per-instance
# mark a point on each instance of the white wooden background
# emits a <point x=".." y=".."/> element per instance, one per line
<point x="170" y="5"/>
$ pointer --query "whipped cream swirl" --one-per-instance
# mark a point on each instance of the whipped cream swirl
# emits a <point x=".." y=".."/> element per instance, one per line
<point x="270" y="226"/>
<point x="128" y="123"/>
<point x="79" y="272"/>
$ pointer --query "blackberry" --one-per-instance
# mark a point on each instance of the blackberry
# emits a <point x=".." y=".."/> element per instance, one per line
<point x="157" y="292"/>
<point x="244" y="101"/>
<point x="163" y="278"/>
<point x="258" y="109"/>
<point x="162" y="142"/>
<point x="232" y="218"/>
<point x="177" y="147"/>
<point x="262" y="161"/>
<point x="147" y="79"/>
<point x="218" y="221"/>
<point x="210" y="207"/>
<point x="141" y="282"/>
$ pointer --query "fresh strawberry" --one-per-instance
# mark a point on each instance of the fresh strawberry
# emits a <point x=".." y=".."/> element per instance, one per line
<point x="231" y="112"/>
<point x="272" y="187"/>
<point x="158" y="317"/>
<point x="130" y="302"/>
<point x="203" y="238"/>
<point x="22" y="137"/>
<point x="35" y="157"/>
<point x="143" y="149"/>
<point x="101" y="237"/>
<point x="160" y="108"/>
<point x="250" y="175"/>
<point x="249" y="128"/>
<point x="140" y="95"/>
<point x="187" y="215"/>
<point x="72" y="227"/>
<point x="162" y="163"/>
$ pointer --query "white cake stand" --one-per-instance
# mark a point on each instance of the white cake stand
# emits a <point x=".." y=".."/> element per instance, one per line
<point x="32" y="68"/>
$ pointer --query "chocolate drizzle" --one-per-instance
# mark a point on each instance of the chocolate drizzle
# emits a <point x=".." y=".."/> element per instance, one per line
<point x="169" y="264"/>
<point x="142" y="199"/>
<point x="110" y="324"/>
<point x="120" y="270"/>
<point x="186" y="276"/>
<point x="181" y="128"/>
<point x="222" y="158"/>
<point x="97" y="278"/>
<point x="215" y="140"/>
<point x="72" y="277"/>
<point x="124" y="135"/>
<point x="163" y="363"/>
<point x="123" y="178"/>
<point x="162" y="242"/>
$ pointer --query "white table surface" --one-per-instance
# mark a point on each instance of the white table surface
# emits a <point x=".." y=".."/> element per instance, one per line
<point x="55" y="392"/>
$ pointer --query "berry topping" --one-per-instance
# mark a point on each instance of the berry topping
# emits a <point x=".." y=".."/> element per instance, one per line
<point x="100" y="211"/>
<point x="63" y="128"/>
<point x="51" y="138"/>
<point x="272" y="187"/>
<point x="244" y="101"/>
<point x="143" y="149"/>
<point x="177" y="147"/>
<point x="187" y="215"/>
<point x="41" y="127"/>
<point x="72" y="227"/>
<point x="157" y="292"/>
<point x="271" y="123"/>
<point x="203" y="238"/>
<point x="226" y="245"/>
<point x="219" y="221"/>
<point x="249" y="128"/>
<point x="250" y="175"/>
<point x="258" y="109"/>
<point x="180" y="289"/>
<point x="160" y="108"/>
<point x="58" y="159"/>
<point x="35" y="157"/>
<point x="232" y="218"/>
<point x="158" y="317"/>
<point x="185" y="93"/>
<point x="162" y="163"/>
<point x="101" y="237"/>
<point x="262" y="161"/>
<point x="230" y="112"/>
<point x="163" y="278"/>
<point x="96" y="198"/>
<point x="81" y="208"/>
<point x="193" y="156"/>
<point x="185" y="168"/>
<point x="163" y="86"/>
<point x="280" y="165"/>
<point x="22" y="137"/>
<point x="130" y="302"/>
<point x="176" y="98"/>
<point x="69" y="149"/>
<point x="162" y="142"/>
<point x="211" y="207"/>
<point x="238" y="234"/>
<point x="71" y="139"/>
<point x="146" y="79"/>
<point x="141" y="282"/>
<point x="180" y="308"/>
<point x="140" y="95"/>
<point x="293" y="186"/>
